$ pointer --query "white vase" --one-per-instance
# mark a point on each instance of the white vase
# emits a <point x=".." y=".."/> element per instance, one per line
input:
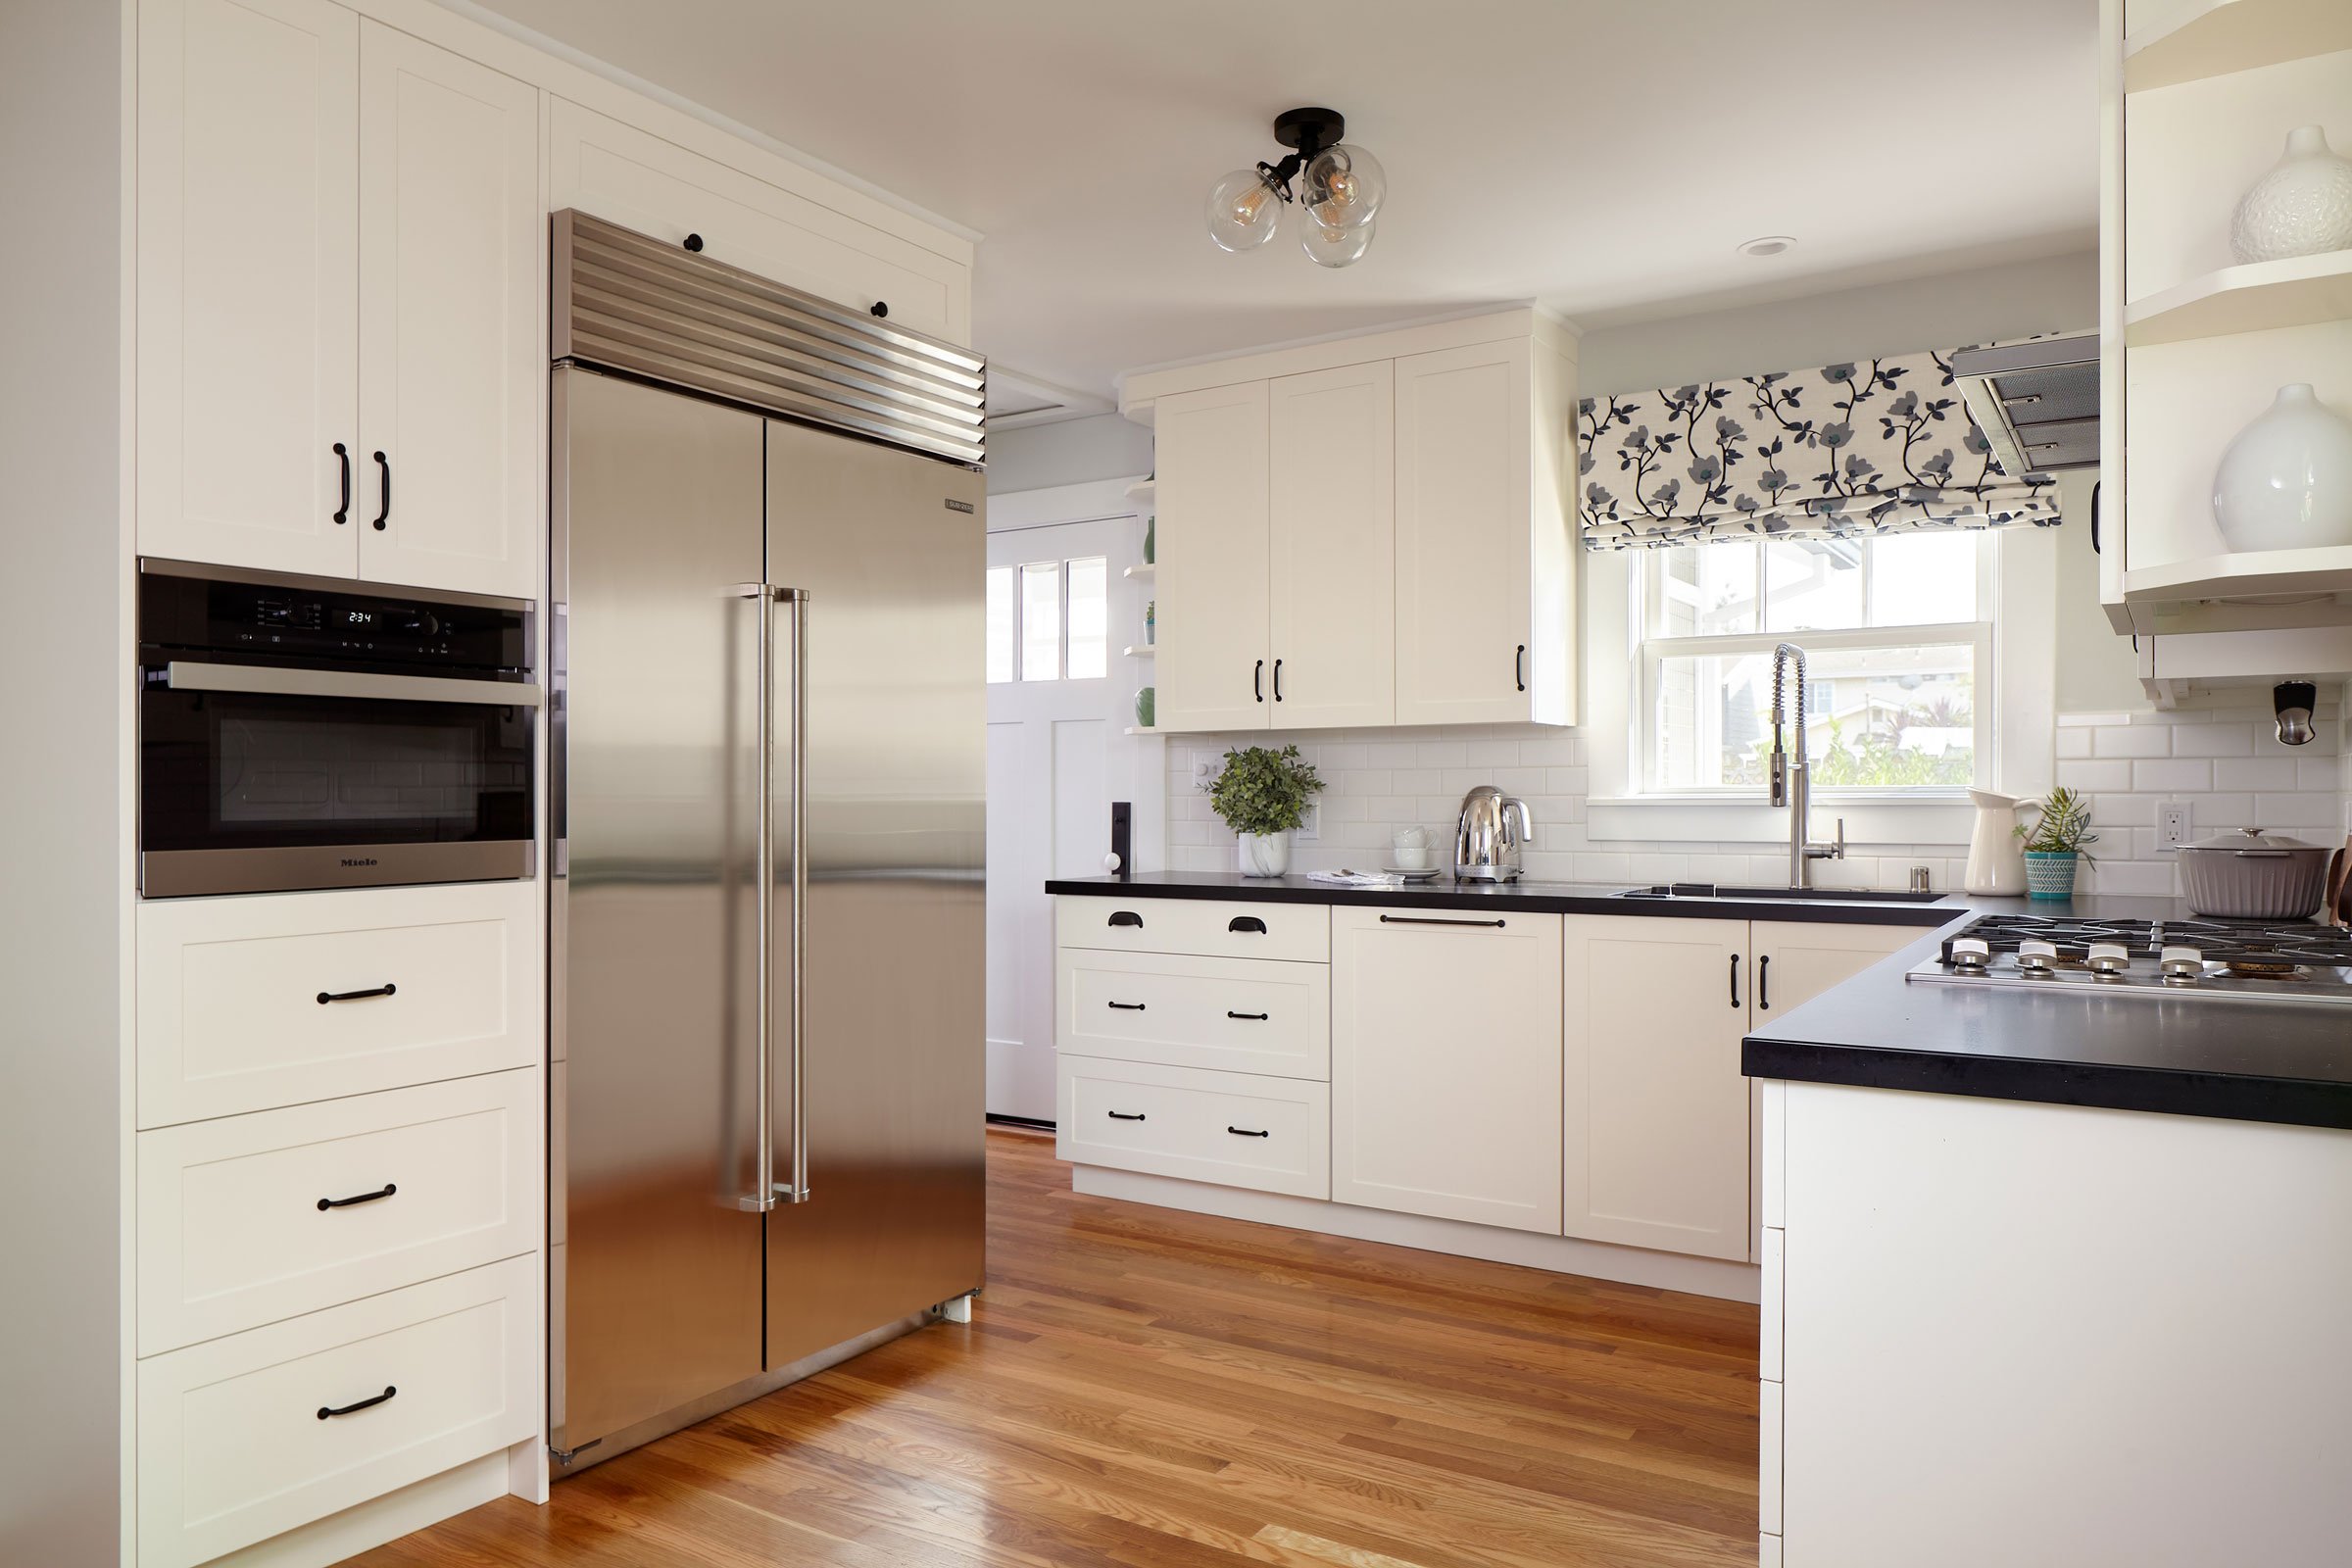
<point x="1997" y="855"/>
<point x="2302" y="207"/>
<point x="1264" y="854"/>
<point x="2285" y="483"/>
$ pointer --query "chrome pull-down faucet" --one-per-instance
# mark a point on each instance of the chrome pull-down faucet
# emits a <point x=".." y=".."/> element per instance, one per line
<point x="1791" y="782"/>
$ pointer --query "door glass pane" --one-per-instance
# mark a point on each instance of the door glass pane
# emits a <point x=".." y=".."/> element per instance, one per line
<point x="1812" y="584"/>
<point x="999" y="624"/>
<point x="1922" y="579"/>
<point x="1040" y="620"/>
<point x="1875" y="719"/>
<point x="1090" y="618"/>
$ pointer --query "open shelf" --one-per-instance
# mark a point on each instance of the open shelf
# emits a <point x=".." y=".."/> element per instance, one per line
<point x="2253" y="297"/>
<point x="1141" y="651"/>
<point x="1148" y="569"/>
<point x="1142" y="489"/>
<point x="2244" y="574"/>
<point x="2215" y="37"/>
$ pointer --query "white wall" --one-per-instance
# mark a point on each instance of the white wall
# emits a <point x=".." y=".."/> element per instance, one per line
<point x="1039" y="457"/>
<point x="60" y="655"/>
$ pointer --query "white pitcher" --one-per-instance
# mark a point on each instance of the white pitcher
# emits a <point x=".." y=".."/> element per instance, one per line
<point x="1997" y="855"/>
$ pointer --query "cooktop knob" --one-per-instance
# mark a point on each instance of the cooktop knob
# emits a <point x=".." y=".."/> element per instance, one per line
<point x="2181" y="963"/>
<point x="2037" y="957"/>
<point x="1970" y="953"/>
<point x="2108" y="958"/>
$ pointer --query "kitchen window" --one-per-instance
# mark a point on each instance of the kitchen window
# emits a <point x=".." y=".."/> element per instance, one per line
<point x="1897" y="632"/>
<point x="1049" y="621"/>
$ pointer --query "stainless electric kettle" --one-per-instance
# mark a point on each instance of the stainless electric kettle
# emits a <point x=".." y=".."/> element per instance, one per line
<point x="1494" y="829"/>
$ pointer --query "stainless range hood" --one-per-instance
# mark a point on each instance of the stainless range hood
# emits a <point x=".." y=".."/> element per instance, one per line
<point x="2038" y="402"/>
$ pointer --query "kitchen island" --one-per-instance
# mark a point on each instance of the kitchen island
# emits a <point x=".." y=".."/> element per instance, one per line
<point x="2054" y="1277"/>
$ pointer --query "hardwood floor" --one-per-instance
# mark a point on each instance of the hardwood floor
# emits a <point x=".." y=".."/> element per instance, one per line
<point x="1148" y="1387"/>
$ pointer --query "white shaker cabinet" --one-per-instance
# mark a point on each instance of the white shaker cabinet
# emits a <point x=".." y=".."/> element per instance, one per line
<point x="1446" y="1065"/>
<point x="1213" y="660"/>
<point x="247" y="295"/>
<point x="1332" y="568"/>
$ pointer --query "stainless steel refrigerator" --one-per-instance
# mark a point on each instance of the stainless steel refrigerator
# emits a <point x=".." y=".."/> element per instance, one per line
<point x="767" y="907"/>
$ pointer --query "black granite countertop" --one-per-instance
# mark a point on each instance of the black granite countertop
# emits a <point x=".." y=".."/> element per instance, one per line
<point x="2282" y="1062"/>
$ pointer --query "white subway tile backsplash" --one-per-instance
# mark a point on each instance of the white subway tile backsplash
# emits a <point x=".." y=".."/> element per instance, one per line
<point x="2073" y="744"/>
<point x="2173" y="773"/>
<point x="2139" y="740"/>
<point x="2213" y="740"/>
<point x="2094" y="777"/>
<point x="2254" y="773"/>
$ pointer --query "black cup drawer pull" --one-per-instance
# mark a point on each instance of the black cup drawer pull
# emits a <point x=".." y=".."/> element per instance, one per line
<point x="1246" y="922"/>
<point x="1127" y="917"/>
<point x="327" y="1411"/>
<point x="1122" y="1115"/>
<point x="1244" y="1132"/>
<point x="1253" y="1017"/>
<point x="325" y="996"/>
<point x="385" y="1190"/>
<point x="1129" y="1007"/>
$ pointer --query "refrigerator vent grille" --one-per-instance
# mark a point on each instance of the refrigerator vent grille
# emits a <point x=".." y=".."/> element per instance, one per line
<point x="633" y="304"/>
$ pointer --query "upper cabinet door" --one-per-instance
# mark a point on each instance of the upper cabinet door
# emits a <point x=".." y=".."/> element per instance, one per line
<point x="248" y="220"/>
<point x="1214" y="670"/>
<point x="1464" y="490"/>
<point x="450" y="320"/>
<point x="1333" y="569"/>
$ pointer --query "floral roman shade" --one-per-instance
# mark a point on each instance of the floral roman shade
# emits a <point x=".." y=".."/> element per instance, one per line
<point x="1885" y="446"/>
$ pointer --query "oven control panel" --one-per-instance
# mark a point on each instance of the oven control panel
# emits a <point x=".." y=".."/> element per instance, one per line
<point x="332" y="624"/>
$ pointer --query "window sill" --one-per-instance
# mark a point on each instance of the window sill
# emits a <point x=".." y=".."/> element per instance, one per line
<point x="1872" y="818"/>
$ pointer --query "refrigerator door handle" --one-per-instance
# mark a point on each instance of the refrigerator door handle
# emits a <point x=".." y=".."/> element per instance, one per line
<point x="796" y="1191"/>
<point x="762" y="1197"/>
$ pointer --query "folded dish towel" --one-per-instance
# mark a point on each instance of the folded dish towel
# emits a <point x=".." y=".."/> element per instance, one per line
<point x="1354" y="879"/>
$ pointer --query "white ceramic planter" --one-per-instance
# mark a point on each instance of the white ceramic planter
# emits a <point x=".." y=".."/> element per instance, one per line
<point x="1264" y="854"/>
<point x="2301" y="208"/>
<point x="2285" y="483"/>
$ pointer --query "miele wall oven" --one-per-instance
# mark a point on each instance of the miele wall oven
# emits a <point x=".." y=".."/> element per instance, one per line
<point x="306" y="732"/>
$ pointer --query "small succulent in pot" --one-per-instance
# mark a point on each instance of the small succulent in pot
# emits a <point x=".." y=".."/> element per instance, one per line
<point x="1263" y="795"/>
<point x="2054" y="844"/>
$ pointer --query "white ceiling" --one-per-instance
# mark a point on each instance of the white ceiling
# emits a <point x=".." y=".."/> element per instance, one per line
<point x="1601" y="157"/>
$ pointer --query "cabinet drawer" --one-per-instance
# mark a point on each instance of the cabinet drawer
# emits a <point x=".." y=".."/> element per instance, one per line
<point x="1234" y="1129"/>
<point x="1228" y="1015"/>
<point x="231" y="1233"/>
<point x="1211" y="928"/>
<point x="229" y="1018"/>
<point x="231" y="1448"/>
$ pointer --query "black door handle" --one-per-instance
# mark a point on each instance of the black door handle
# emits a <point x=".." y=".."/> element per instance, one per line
<point x="1120" y="1115"/>
<point x="1246" y="922"/>
<point x="1764" y="983"/>
<point x="1278" y="680"/>
<point x="385" y="464"/>
<point x="1253" y="1017"/>
<point x="1519" y="667"/>
<point x="1416" y="920"/>
<point x="1735" y="979"/>
<point x="1127" y="917"/>
<point x="325" y="996"/>
<point x="1129" y="1007"/>
<point x="386" y="1191"/>
<point x="2094" y="515"/>
<point x="343" y="457"/>
<point x="1258" y="681"/>
<point x="327" y="1411"/>
<point x="1243" y="1132"/>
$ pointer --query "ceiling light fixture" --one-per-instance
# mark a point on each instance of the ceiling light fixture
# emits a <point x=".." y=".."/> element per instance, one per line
<point x="1339" y="190"/>
<point x="1769" y="245"/>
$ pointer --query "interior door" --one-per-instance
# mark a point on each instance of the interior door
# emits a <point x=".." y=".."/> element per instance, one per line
<point x="450" y="316"/>
<point x="1212" y="450"/>
<point x="248" y="340"/>
<point x="1059" y="702"/>
<point x="1333" y="547"/>
<point x="888" y="548"/>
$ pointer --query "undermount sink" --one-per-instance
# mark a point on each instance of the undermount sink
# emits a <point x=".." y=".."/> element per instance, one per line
<point x="1708" y="889"/>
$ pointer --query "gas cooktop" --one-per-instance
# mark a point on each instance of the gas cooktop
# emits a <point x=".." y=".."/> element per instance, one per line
<point x="2201" y="960"/>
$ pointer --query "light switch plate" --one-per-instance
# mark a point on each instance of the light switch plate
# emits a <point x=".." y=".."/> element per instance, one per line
<point x="2172" y="824"/>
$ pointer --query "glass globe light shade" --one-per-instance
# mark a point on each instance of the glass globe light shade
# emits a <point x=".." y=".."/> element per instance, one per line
<point x="1335" y="247"/>
<point x="1242" y="210"/>
<point x="1345" y="186"/>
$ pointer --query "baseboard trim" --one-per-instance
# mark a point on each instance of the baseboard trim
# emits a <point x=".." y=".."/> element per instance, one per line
<point x="1560" y="1254"/>
<point x="1035" y="1124"/>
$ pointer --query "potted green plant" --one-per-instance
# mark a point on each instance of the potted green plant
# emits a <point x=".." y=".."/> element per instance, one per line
<point x="2054" y="844"/>
<point x="1263" y="795"/>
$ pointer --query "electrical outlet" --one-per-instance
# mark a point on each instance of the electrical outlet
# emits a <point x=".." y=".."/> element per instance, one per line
<point x="2172" y="824"/>
<point x="1310" y="827"/>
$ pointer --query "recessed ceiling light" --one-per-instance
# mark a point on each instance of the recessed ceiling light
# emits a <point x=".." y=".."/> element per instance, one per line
<point x="1769" y="245"/>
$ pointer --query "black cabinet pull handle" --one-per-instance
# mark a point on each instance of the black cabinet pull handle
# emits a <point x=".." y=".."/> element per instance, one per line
<point x="1418" y="919"/>
<point x="384" y="464"/>
<point x="1278" y="680"/>
<point x="1122" y="1115"/>
<point x="1519" y="667"/>
<point x="1258" y="681"/>
<point x="1244" y="1132"/>
<point x="1764" y="982"/>
<point x="1129" y="1007"/>
<point x="386" y="1191"/>
<point x="327" y="1411"/>
<point x="343" y="457"/>
<point x="1127" y="917"/>
<point x="694" y="243"/>
<point x="1246" y="922"/>
<point x="325" y="996"/>
<point x="1251" y="1017"/>
<point x="1735" y="979"/>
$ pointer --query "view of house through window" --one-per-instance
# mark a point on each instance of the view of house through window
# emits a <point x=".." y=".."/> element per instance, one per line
<point x="1897" y="637"/>
<point x="1049" y="621"/>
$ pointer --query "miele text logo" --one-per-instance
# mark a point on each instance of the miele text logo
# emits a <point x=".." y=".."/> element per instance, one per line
<point x="964" y="507"/>
<point x="359" y="859"/>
